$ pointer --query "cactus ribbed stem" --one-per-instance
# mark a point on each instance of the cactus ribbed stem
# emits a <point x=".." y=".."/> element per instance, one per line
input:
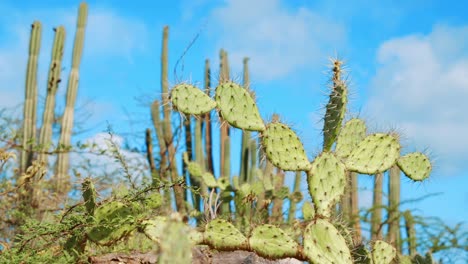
<point x="292" y="206"/>
<point x="150" y="157"/>
<point x="394" y="202"/>
<point x="208" y="128"/>
<point x="244" y="169"/>
<point x="29" y="116"/>
<point x="376" y="230"/>
<point x="167" y="128"/>
<point x="53" y="80"/>
<point x="62" y="179"/>
<point x="410" y="232"/>
<point x="355" y="208"/>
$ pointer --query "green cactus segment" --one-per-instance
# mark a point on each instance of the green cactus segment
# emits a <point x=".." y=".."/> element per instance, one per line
<point x="175" y="246"/>
<point x="197" y="171"/>
<point x="155" y="228"/>
<point x="272" y="242"/>
<point x="114" y="221"/>
<point x="222" y="235"/>
<point x="353" y="132"/>
<point x="326" y="180"/>
<point x="375" y="154"/>
<point x="336" y="110"/>
<point x="308" y="211"/>
<point x="416" y="166"/>
<point x="382" y="252"/>
<point x="238" y="107"/>
<point x="323" y="244"/>
<point x="284" y="148"/>
<point x="89" y="196"/>
<point x="190" y="100"/>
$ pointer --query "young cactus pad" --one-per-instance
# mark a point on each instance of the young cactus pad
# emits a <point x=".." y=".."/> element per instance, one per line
<point x="190" y="100"/>
<point x="415" y="165"/>
<point x="113" y="223"/>
<point x="326" y="180"/>
<point x="323" y="244"/>
<point x="222" y="235"/>
<point x="382" y="252"/>
<point x="336" y="110"/>
<point x="353" y="132"/>
<point x="284" y="149"/>
<point x="375" y="154"/>
<point x="238" y="108"/>
<point x="272" y="242"/>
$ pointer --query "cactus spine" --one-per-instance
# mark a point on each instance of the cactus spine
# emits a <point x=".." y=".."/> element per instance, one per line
<point x="62" y="184"/>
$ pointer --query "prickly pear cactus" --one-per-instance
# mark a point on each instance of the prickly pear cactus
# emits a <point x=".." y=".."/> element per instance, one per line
<point x="284" y="149"/>
<point x="175" y="246"/>
<point x="352" y="133"/>
<point x="382" y="252"/>
<point x="323" y="244"/>
<point x="375" y="154"/>
<point x="415" y="165"/>
<point x="190" y="100"/>
<point x="113" y="221"/>
<point x="237" y="107"/>
<point x="89" y="196"/>
<point x="272" y="242"/>
<point x="326" y="180"/>
<point x="222" y="235"/>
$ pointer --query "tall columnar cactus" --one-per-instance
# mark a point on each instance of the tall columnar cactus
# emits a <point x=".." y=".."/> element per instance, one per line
<point x="208" y="127"/>
<point x="393" y="235"/>
<point x="30" y="103"/>
<point x="167" y="128"/>
<point x="410" y="232"/>
<point x="245" y="153"/>
<point x="62" y="184"/>
<point x="376" y="230"/>
<point x="53" y="80"/>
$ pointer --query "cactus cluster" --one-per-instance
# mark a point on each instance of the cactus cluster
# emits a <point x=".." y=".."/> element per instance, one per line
<point x="326" y="174"/>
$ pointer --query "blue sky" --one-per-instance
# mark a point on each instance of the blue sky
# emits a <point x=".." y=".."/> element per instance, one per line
<point x="407" y="61"/>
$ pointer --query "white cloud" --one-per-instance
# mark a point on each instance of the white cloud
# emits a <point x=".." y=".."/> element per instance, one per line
<point x="421" y="85"/>
<point x="279" y="40"/>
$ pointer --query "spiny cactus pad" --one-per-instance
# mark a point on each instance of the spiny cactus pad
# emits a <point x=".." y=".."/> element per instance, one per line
<point x="326" y="180"/>
<point x="284" y="149"/>
<point x="272" y="242"/>
<point x="382" y="252"/>
<point x="375" y="154"/>
<point x="336" y="110"/>
<point x="237" y="107"/>
<point x="222" y="235"/>
<point x="114" y="221"/>
<point x="308" y="211"/>
<point x="323" y="244"/>
<point x="415" y="165"/>
<point x="353" y="132"/>
<point x="175" y="246"/>
<point x="190" y="100"/>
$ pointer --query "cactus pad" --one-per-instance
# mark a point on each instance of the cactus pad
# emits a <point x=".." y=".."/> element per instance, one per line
<point x="375" y="154"/>
<point x="284" y="149"/>
<point x="238" y="108"/>
<point x="326" y="180"/>
<point x="308" y="211"/>
<point x="415" y="165"/>
<point x="382" y="252"/>
<point x="190" y="100"/>
<point x="353" y="132"/>
<point x="272" y="242"/>
<point x="323" y="244"/>
<point x="155" y="228"/>
<point x="334" y="115"/>
<point x="222" y="235"/>
<point x="114" y="221"/>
